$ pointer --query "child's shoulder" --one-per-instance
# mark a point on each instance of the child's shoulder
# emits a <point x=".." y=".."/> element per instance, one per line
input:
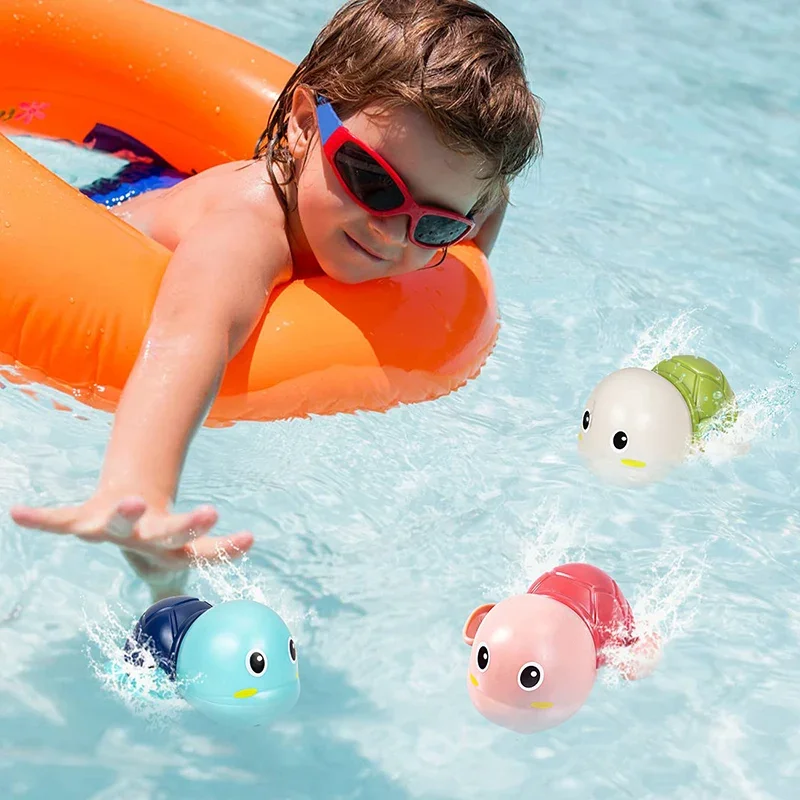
<point x="237" y="188"/>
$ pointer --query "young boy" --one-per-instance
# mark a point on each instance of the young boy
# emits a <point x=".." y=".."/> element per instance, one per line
<point x="415" y="104"/>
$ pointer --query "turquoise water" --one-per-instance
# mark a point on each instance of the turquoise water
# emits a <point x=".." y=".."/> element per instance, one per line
<point x="664" y="215"/>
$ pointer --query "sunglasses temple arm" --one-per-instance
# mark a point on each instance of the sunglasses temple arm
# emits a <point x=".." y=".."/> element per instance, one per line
<point x="487" y="228"/>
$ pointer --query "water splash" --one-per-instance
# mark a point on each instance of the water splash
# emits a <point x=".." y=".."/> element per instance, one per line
<point x="762" y="411"/>
<point x="663" y="609"/>
<point x="556" y="539"/>
<point x="145" y="690"/>
<point x="664" y="339"/>
<point x="230" y="580"/>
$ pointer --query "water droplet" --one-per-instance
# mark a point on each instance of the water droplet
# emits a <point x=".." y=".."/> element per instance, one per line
<point x="7" y="224"/>
<point x="217" y="110"/>
<point x="72" y="299"/>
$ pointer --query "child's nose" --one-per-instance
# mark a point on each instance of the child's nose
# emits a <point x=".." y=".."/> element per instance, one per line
<point x="392" y="230"/>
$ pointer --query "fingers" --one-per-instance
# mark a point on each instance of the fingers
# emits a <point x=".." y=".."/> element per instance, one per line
<point x="175" y="530"/>
<point x="53" y="520"/>
<point x="207" y="548"/>
<point x="214" y="548"/>
<point x="77" y="520"/>
<point x="122" y="523"/>
<point x="167" y="540"/>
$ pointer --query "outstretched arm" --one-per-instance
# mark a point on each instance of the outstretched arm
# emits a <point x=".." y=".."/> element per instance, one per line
<point x="212" y="295"/>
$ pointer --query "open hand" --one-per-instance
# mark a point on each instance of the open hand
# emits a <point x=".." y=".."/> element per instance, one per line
<point x="157" y="541"/>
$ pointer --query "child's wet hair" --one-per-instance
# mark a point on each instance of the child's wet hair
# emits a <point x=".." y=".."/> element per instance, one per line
<point x="450" y="59"/>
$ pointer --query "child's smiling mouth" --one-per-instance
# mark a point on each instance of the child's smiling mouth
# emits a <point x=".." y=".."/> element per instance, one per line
<point x="356" y="245"/>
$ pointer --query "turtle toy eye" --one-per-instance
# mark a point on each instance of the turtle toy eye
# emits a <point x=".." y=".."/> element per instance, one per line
<point x="292" y="651"/>
<point x="530" y="676"/>
<point x="256" y="663"/>
<point x="619" y="440"/>
<point x="587" y="419"/>
<point x="482" y="657"/>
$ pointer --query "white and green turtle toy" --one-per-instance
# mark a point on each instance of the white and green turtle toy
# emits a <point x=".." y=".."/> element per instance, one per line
<point x="639" y="423"/>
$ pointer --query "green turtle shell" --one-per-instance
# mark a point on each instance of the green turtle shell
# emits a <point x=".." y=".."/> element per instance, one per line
<point x="703" y="387"/>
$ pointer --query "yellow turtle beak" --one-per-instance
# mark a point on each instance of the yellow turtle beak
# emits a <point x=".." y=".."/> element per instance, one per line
<point x="580" y="436"/>
<point x="542" y="704"/>
<point x="242" y="693"/>
<point x="632" y="462"/>
<point x="473" y="680"/>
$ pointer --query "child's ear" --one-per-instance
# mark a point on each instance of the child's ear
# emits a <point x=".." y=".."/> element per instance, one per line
<point x="302" y="122"/>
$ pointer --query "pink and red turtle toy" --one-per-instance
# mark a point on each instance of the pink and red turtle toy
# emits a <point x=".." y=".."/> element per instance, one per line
<point x="535" y="656"/>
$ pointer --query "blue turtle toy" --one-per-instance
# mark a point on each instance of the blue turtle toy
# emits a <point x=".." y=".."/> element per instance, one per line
<point x="236" y="662"/>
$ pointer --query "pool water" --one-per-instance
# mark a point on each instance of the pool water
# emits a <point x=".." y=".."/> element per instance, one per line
<point x="664" y="216"/>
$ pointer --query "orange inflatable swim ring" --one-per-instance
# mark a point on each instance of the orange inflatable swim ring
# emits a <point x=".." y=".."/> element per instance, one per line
<point x="78" y="284"/>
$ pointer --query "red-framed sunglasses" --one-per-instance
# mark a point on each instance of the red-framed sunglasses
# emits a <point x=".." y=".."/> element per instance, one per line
<point x="372" y="183"/>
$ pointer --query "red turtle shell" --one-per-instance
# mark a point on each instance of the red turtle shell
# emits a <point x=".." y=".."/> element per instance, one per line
<point x="595" y="597"/>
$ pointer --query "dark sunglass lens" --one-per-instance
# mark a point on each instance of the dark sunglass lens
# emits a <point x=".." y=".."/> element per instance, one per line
<point x="436" y="231"/>
<point x="367" y="179"/>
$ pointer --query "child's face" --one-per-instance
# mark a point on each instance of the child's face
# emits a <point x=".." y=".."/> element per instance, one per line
<point x="350" y="244"/>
